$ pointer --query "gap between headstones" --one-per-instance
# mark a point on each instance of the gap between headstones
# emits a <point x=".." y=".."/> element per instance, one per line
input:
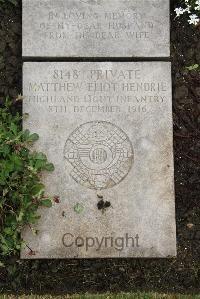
<point x="95" y="59"/>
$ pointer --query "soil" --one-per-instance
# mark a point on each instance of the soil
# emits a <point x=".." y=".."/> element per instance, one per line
<point x="181" y="274"/>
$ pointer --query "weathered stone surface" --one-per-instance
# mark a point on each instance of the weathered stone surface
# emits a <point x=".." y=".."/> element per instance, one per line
<point x="107" y="127"/>
<point x="96" y="28"/>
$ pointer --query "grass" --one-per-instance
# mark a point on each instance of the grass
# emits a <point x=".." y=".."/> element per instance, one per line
<point x="105" y="296"/>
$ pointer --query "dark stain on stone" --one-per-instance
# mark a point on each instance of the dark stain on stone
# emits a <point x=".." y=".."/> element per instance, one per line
<point x="103" y="205"/>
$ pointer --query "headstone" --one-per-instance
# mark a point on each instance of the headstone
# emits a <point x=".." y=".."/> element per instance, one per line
<point x="96" y="28"/>
<point x="107" y="127"/>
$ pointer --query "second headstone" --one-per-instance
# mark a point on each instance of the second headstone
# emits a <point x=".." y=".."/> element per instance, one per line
<point x="96" y="28"/>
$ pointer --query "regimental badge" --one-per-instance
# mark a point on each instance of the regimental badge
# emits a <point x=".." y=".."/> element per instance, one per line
<point x="100" y="153"/>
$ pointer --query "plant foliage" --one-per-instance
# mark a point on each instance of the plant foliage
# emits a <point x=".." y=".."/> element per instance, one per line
<point x="193" y="67"/>
<point x="14" y="2"/>
<point x="21" y="191"/>
<point x="191" y="9"/>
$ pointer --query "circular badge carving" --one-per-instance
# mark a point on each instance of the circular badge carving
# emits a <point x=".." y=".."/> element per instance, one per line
<point x="100" y="153"/>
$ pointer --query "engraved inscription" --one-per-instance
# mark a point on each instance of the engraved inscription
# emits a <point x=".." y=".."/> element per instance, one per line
<point x="107" y="91"/>
<point x="100" y="153"/>
<point x="114" y="24"/>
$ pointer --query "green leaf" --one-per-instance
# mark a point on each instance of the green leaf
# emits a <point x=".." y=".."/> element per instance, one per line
<point x="33" y="137"/>
<point x="20" y="217"/>
<point x="37" y="189"/>
<point x="18" y="164"/>
<point x="8" y="231"/>
<point x="192" y="67"/>
<point x="40" y="164"/>
<point x="5" y="149"/>
<point x="13" y="128"/>
<point x="78" y="208"/>
<point x="5" y="191"/>
<point x="49" y="167"/>
<point x="8" y="167"/>
<point x="40" y="156"/>
<point x="46" y="203"/>
<point x="26" y="134"/>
